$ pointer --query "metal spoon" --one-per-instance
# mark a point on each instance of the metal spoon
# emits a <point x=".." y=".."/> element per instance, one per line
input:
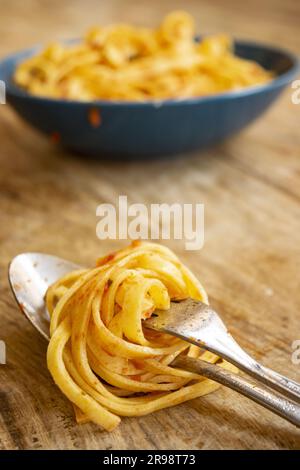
<point x="30" y="275"/>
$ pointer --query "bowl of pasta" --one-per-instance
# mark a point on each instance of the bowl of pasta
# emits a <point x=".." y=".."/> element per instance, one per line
<point x="125" y="91"/>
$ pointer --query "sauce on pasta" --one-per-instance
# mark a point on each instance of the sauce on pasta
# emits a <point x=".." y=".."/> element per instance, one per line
<point x="99" y="354"/>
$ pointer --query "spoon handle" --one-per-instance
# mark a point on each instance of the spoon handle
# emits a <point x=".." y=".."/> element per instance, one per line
<point x="261" y="395"/>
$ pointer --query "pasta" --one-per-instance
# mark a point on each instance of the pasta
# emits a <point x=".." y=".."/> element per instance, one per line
<point x="99" y="354"/>
<point x="122" y="62"/>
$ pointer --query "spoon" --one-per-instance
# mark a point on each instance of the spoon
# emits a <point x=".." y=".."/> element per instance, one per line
<point x="30" y="275"/>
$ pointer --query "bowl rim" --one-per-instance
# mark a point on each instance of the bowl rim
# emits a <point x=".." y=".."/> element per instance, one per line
<point x="277" y="82"/>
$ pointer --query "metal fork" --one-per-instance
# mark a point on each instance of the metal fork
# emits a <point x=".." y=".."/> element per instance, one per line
<point x="197" y="323"/>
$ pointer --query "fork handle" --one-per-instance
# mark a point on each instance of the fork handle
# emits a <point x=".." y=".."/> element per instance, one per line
<point x="261" y="395"/>
<point x="282" y="384"/>
<point x="226" y="346"/>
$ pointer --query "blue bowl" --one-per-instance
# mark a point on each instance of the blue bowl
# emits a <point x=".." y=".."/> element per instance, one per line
<point x="152" y="128"/>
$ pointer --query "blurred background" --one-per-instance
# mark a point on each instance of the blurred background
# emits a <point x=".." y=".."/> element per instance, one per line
<point x="24" y="24"/>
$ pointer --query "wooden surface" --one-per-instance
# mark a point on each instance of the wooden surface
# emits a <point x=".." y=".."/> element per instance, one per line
<point x="250" y="264"/>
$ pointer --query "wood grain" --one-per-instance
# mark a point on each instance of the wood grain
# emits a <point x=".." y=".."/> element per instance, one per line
<point x="250" y="264"/>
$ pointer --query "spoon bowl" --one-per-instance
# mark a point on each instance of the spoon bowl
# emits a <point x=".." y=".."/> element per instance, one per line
<point x="30" y="275"/>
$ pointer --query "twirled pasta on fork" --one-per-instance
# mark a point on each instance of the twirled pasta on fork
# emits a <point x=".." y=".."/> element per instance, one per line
<point x="99" y="354"/>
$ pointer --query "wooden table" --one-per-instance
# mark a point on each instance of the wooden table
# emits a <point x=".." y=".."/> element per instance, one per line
<point x="250" y="263"/>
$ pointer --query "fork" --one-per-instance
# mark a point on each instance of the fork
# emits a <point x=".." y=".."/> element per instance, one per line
<point x="197" y="323"/>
